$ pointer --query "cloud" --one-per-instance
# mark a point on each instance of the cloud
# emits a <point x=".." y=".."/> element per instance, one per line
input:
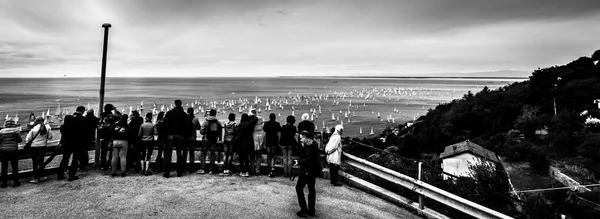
<point x="269" y="37"/>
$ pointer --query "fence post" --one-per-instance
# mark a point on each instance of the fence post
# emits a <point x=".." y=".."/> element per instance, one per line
<point x="421" y="204"/>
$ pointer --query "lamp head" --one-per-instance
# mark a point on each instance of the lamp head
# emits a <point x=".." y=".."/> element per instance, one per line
<point x="106" y="25"/>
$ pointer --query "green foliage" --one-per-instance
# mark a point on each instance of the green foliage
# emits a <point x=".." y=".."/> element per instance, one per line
<point x="528" y="121"/>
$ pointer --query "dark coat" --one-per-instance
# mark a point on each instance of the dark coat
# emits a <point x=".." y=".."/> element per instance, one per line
<point x="10" y="139"/>
<point x="175" y="121"/>
<point x="246" y="138"/>
<point x="75" y="130"/>
<point x="91" y="122"/>
<point x="134" y="125"/>
<point x="309" y="160"/>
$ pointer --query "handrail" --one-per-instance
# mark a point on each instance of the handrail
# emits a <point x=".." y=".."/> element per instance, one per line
<point x="423" y="188"/>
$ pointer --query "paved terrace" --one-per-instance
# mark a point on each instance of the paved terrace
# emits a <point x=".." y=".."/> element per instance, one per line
<point x="97" y="195"/>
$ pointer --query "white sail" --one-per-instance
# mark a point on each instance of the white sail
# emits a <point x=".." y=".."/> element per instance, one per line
<point x="360" y="130"/>
<point x="332" y="117"/>
<point x="371" y="133"/>
<point x="58" y="111"/>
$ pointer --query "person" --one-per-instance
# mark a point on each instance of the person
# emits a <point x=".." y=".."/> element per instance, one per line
<point x="75" y="138"/>
<point x="259" y="141"/>
<point x="146" y="134"/>
<point x="161" y="140"/>
<point x="306" y="125"/>
<point x="190" y="138"/>
<point x="212" y="128"/>
<point x="91" y="122"/>
<point x="175" y="125"/>
<point x="120" y="146"/>
<point x="333" y="149"/>
<point x="10" y="137"/>
<point x="230" y="128"/>
<point x="38" y="136"/>
<point x="107" y="120"/>
<point x="246" y="143"/>
<point x="288" y="144"/>
<point x="135" y="149"/>
<point x="310" y="168"/>
<point x="272" y="130"/>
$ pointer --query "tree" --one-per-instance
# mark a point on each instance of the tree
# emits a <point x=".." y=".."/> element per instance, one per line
<point x="528" y="121"/>
<point x="596" y="55"/>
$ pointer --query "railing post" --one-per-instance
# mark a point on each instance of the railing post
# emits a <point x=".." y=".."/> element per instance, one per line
<point x="421" y="204"/>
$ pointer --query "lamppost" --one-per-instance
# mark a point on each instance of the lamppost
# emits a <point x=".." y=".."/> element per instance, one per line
<point x="554" y="98"/>
<point x="102" y="81"/>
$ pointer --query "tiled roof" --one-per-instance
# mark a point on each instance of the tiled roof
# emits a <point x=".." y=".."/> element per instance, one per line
<point x="468" y="147"/>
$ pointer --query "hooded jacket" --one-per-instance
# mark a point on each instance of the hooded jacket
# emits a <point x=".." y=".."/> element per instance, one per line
<point x="40" y="140"/>
<point x="334" y="148"/>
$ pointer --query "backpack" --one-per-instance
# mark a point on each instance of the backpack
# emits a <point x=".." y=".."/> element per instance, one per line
<point x="104" y="129"/>
<point x="213" y="129"/>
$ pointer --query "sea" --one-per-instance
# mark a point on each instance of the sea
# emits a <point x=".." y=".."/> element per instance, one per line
<point x="365" y="106"/>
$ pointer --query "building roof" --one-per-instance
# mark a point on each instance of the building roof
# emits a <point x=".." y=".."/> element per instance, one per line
<point x="468" y="147"/>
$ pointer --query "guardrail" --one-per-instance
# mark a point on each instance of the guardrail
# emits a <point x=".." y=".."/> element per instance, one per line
<point x="422" y="188"/>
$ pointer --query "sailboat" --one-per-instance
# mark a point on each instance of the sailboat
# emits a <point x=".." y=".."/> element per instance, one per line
<point x="332" y="117"/>
<point x="58" y="111"/>
<point x="371" y="133"/>
<point x="378" y="115"/>
<point x="323" y="123"/>
<point x="360" y="130"/>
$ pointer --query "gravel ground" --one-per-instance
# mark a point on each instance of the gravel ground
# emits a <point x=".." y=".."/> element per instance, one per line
<point x="97" y="195"/>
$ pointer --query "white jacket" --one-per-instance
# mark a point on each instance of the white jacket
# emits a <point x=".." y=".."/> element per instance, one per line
<point x="334" y="149"/>
<point x="40" y="140"/>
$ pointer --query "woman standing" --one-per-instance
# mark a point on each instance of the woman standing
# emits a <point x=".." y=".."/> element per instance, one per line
<point x="259" y="141"/>
<point x="38" y="135"/>
<point x="334" y="154"/>
<point x="120" y="145"/>
<point x="160" y="140"/>
<point x="288" y="143"/>
<point x="10" y="137"/>
<point x="146" y="134"/>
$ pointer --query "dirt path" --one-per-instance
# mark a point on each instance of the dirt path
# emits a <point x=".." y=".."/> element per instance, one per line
<point x="96" y="195"/>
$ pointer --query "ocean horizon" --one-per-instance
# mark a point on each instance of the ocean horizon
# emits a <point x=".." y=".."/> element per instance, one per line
<point x="356" y="101"/>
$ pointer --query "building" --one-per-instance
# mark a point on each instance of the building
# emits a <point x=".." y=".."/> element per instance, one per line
<point x="456" y="158"/>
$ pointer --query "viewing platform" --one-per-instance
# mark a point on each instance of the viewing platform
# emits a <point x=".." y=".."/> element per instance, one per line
<point x="97" y="195"/>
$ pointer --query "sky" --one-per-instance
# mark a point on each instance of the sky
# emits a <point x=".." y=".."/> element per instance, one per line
<point x="263" y="38"/>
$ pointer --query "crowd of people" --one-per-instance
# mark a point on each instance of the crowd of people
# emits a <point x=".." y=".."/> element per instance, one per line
<point x="129" y="141"/>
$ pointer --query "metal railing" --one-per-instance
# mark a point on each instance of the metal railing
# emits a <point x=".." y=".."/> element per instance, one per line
<point x="423" y="189"/>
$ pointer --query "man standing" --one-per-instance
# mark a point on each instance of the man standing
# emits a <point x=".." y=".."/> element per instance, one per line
<point x="91" y="122"/>
<point x="175" y="124"/>
<point x="212" y="128"/>
<point x="74" y="138"/>
<point x="310" y="168"/>
<point x="190" y="138"/>
<point x="272" y="130"/>
<point x="135" y="148"/>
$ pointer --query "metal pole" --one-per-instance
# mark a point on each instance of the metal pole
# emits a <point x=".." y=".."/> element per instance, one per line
<point x="554" y="99"/>
<point x="102" y="81"/>
<point x="421" y="204"/>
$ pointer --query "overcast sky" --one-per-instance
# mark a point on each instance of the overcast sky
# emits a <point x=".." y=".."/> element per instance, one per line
<point x="304" y="37"/>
